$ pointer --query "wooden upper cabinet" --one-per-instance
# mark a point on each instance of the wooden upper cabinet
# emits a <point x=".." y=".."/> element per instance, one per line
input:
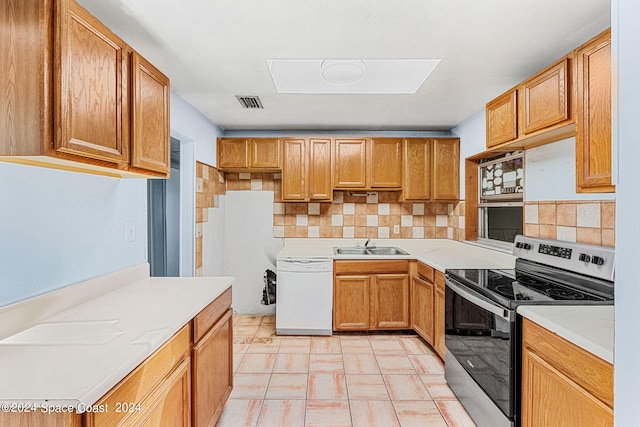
<point x="150" y="133"/>
<point x="446" y="169"/>
<point x="431" y="169"/>
<point x="368" y="163"/>
<point x="240" y="154"/>
<point x="90" y="84"/>
<point x="502" y="119"/>
<point x="77" y="97"/>
<point x="417" y="169"/>
<point x="593" y="116"/>
<point x="546" y="97"/>
<point x="294" y="170"/>
<point x="306" y="170"/>
<point x="265" y="153"/>
<point x="536" y="112"/>
<point x="385" y="163"/>
<point x="319" y="176"/>
<point x="233" y="153"/>
<point x="350" y="163"/>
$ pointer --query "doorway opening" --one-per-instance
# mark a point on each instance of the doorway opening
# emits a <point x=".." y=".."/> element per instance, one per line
<point x="171" y="215"/>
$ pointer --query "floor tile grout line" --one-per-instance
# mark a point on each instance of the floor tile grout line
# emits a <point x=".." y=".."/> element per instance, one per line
<point x="405" y="352"/>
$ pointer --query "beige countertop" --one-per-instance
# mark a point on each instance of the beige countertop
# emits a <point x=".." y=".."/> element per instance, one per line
<point x="438" y="253"/>
<point x="588" y="327"/>
<point x="75" y="356"/>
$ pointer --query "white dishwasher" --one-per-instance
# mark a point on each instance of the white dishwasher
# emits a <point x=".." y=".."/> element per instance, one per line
<point x="304" y="301"/>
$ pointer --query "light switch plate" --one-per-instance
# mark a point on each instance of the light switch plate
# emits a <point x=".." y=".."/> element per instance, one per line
<point x="130" y="231"/>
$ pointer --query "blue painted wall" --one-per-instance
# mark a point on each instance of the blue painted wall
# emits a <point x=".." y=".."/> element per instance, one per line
<point x="58" y="228"/>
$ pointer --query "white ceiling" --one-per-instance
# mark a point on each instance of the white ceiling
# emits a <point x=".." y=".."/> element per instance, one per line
<point x="215" y="49"/>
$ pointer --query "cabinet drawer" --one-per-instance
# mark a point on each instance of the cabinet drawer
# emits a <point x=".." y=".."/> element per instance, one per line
<point x="371" y="267"/>
<point x="588" y="371"/>
<point x="210" y="314"/>
<point x="136" y="386"/>
<point x="425" y="272"/>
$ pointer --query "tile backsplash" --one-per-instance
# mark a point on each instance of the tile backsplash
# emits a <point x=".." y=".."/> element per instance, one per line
<point x="591" y="222"/>
<point x="210" y="184"/>
<point x="376" y="216"/>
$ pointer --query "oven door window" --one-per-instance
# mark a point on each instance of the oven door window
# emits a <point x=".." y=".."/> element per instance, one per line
<point x="482" y="342"/>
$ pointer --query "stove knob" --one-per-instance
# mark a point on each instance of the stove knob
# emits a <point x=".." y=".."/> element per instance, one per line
<point x="584" y="258"/>
<point x="526" y="246"/>
<point x="597" y="260"/>
<point x="519" y="245"/>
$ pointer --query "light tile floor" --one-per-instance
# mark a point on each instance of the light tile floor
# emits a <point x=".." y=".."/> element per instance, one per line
<point x="344" y="380"/>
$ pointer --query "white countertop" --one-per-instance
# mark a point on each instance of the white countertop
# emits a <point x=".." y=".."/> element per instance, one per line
<point x="588" y="327"/>
<point x="132" y="321"/>
<point x="438" y="253"/>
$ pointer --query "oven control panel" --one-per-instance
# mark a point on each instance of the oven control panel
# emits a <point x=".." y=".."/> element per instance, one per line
<point x="555" y="251"/>
<point x="596" y="261"/>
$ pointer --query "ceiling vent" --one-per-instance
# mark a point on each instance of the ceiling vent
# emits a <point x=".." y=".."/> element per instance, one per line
<point x="252" y="102"/>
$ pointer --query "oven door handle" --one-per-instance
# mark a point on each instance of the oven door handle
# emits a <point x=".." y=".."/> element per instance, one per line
<point x="507" y="315"/>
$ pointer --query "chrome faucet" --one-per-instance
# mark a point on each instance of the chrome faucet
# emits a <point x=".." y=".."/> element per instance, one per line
<point x="366" y="244"/>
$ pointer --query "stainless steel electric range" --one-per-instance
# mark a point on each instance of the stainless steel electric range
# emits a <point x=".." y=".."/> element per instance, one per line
<point x="483" y="332"/>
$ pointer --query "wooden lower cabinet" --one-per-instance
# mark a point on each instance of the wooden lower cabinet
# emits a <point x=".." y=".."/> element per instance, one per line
<point x="438" y="321"/>
<point x="390" y="301"/>
<point x="146" y="387"/>
<point x="172" y="402"/>
<point x="371" y="295"/>
<point x="212" y="372"/>
<point x="351" y="298"/>
<point x="562" y="384"/>
<point x="422" y="302"/>
<point x="185" y="382"/>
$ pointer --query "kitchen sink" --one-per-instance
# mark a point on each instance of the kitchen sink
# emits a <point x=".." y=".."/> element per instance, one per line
<point x="350" y="251"/>
<point x="386" y="251"/>
<point x="383" y="250"/>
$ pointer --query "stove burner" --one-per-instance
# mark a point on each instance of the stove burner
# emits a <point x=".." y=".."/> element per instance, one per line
<point x="503" y="289"/>
<point x="570" y="294"/>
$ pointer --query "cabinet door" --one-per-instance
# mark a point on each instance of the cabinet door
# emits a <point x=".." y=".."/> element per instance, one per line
<point x="550" y="398"/>
<point x="390" y="295"/>
<point x="233" y="153"/>
<point x="446" y="169"/>
<point x="546" y="97"/>
<point x="90" y="84"/>
<point x="438" y="321"/>
<point x="294" y="171"/>
<point x="417" y="169"/>
<point x="593" y="118"/>
<point x="212" y="372"/>
<point x="150" y="144"/>
<point x="171" y="403"/>
<point x="350" y="163"/>
<point x="265" y="153"/>
<point x="502" y="119"/>
<point x="320" y="169"/>
<point x="351" y="303"/>
<point x="422" y="295"/>
<point x="385" y="163"/>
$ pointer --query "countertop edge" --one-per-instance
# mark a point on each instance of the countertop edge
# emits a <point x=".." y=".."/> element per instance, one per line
<point x="576" y="335"/>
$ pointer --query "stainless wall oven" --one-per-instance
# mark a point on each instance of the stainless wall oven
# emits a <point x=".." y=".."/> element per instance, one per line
<point x="482" y="329"/>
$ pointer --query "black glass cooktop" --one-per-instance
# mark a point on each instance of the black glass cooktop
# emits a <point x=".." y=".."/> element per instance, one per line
<point x="513" y="287"/>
